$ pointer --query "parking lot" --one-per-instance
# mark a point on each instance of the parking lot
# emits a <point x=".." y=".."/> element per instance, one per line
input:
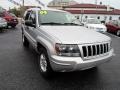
<point x="19" y="70"/>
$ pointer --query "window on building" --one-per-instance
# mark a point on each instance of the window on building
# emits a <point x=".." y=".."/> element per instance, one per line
<point x="105" y="18"/>
<point x="119" y="18"/>
<point x="98" y="17"/>
<point x="77" y="17"/>
<point x="110" y="18"/>
<point x="86" y="17"/>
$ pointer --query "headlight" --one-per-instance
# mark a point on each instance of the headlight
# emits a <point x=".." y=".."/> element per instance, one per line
<point x="67" y="50"/>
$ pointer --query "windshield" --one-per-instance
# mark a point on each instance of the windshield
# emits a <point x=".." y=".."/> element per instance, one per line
<point x="56" y="17"/>
<point x="94" y="21"/>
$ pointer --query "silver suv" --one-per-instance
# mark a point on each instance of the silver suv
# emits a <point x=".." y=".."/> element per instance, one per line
<point x="62" y="44"/>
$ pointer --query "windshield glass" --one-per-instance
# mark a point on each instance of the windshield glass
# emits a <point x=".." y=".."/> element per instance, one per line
<point x="56" y="17"/>
<point x="94" y="21"/>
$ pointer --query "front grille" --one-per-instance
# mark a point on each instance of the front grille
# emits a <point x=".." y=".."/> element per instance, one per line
<point x="94" y="50"/>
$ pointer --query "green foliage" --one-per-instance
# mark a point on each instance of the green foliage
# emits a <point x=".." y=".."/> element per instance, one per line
<point x="15" y="11"/>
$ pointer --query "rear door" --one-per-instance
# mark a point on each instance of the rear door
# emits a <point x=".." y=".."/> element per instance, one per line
<point x="26" y="28"/>
<point x="33" y="29"/>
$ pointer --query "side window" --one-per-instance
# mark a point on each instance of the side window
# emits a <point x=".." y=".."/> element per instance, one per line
<point x="27" y="15"/>
<point x="33" y="17"/>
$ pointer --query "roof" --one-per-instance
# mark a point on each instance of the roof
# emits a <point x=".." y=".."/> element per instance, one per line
<point x="113" y="12"/>
<point x="45" y="8"/>
<point x="87" y="6"/>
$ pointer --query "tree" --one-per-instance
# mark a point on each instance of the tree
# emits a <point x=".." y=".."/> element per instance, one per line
<point x="15" y="11"/>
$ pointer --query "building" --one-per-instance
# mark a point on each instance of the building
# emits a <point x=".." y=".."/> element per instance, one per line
<point x="58" y="4"/>
<point x="102" y="12"/>
<point x="2" y="9"/>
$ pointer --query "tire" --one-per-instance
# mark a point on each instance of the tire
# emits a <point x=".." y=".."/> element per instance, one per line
<point x="13" y="26"/>
<point x="44" y="64"/>
<point x="25" y="41"/>
<point x="118" y="33"/>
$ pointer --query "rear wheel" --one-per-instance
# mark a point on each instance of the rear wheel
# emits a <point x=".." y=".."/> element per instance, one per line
<point x="118" y="33"/>
<point x="44" y="64"/>
<point x="25" y="41"/>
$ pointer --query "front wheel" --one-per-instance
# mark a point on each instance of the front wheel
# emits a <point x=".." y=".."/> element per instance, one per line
<point x="118" y="33"/>
<point x="44" y="64"/>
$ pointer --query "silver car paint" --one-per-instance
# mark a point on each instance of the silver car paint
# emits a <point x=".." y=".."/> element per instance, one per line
<point x="48" y="36"/>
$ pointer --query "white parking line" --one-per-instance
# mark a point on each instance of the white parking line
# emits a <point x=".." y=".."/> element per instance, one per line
<point x="113" y="35"/>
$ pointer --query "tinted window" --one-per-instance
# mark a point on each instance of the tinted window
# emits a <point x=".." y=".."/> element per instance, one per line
<point x="33" y="17"/>
<point x="110" y="18"/>
<point x="27" y="15"/>
<point x="56" y="17"/>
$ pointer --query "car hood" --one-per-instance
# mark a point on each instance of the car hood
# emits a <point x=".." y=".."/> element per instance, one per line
<point x="74" y="34"/>
<point x="96" y="25"/>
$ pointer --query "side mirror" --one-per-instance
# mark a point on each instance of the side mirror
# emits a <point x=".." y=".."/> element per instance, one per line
<point x="29" y="23"/>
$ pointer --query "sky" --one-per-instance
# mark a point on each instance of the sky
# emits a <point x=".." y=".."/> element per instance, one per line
<point x="6" y="4"/>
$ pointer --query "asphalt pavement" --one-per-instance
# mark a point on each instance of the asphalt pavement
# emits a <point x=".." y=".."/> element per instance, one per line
<point x="19" y="70"/>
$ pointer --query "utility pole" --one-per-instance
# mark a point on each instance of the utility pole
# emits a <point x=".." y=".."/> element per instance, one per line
<point x="23" y="2"/>
<point x="22" y="7"/>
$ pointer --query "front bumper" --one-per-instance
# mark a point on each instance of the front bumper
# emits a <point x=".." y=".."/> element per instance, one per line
<point x="67" y="64"/>
<point x="12" y="23"/>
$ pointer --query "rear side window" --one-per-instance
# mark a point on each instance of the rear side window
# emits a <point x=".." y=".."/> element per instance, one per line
<point x="33" y="17"/>
<point x="27" y="15"/>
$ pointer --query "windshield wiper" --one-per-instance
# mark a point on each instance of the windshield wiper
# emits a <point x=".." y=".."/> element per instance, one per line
<point x="52" y="23"/>
<point x="72" y="24"/>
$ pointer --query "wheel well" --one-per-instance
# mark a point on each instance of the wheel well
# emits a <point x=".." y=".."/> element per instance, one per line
<point x="39" y="46"/>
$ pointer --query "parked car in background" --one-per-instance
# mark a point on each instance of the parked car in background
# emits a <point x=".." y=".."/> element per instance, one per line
<point x="94" y="24"/>
<point x="114" y="27"/>
<point x="10" y="18"/>
<point x="3" y="23"/>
